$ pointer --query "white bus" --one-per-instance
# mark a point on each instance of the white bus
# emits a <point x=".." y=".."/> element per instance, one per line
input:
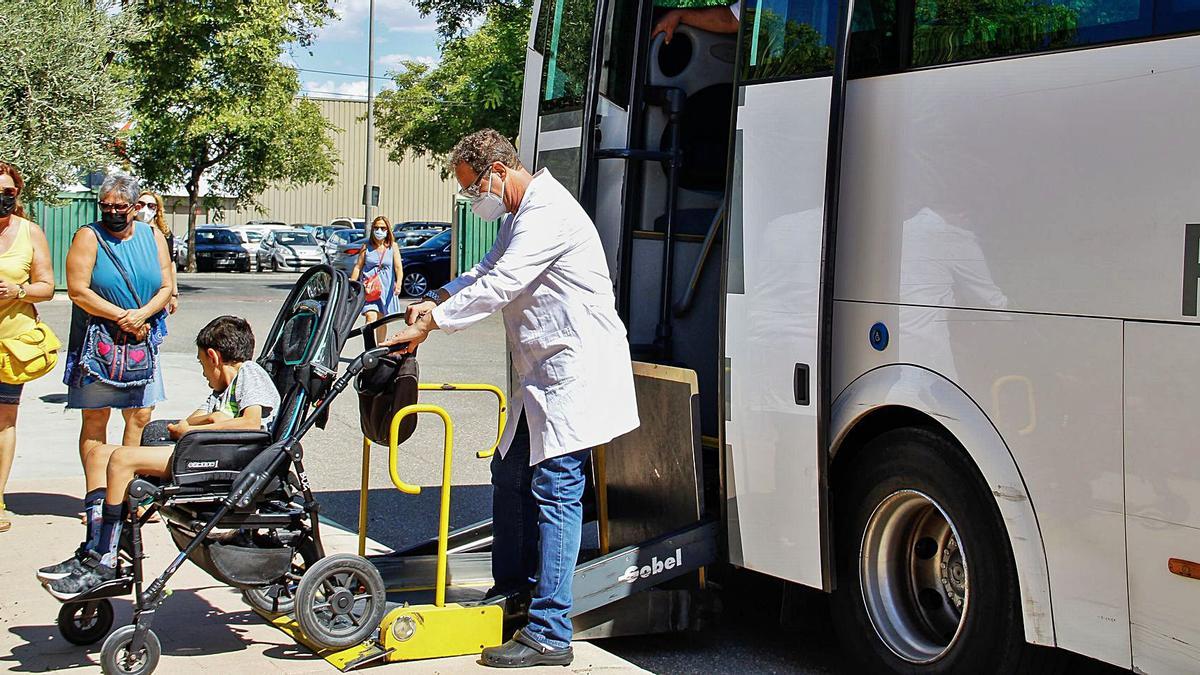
<point x="938" y="280"/>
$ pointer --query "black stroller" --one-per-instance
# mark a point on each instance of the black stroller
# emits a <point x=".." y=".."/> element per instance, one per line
<point x="239" y="505"/>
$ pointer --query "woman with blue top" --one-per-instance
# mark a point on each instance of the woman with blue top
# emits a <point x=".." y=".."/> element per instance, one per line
<point x="380" y="270"/>
<point x="118" y="277"/>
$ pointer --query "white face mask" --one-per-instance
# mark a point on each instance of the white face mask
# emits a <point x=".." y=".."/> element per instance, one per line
<point x="146" y="214"/>
<point x="380" y="234"/>
<point x="489" y="206"/>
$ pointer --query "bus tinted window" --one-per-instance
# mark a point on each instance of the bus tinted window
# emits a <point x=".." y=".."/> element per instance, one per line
<point x="788" y="38"/>
<point x="564" y="38"/>
<point x="966" y="30"/>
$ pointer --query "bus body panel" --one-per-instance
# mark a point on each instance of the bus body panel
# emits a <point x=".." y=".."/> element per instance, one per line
<point x="1074" y="175"/>
<point x="923" y="390"/>
<point x="771" y="330"/>
<point x="1051" y="386"/>
<point x="1162" y="492"/>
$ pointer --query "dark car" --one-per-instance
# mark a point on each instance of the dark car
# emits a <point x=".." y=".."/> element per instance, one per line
<point x="420" y="225"/>
<point x="413" y="237"/>
<point x="426" y="266"/>
<point x="218" y="248"/>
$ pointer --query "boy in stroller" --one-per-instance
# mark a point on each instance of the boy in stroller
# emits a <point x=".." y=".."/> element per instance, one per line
<point x="243" y="398"/>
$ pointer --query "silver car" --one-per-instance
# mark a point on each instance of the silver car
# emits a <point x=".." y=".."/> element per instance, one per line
<point x="294" y="250"/>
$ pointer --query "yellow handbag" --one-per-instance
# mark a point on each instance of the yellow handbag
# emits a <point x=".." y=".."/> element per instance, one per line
<point x="28" y="356"/>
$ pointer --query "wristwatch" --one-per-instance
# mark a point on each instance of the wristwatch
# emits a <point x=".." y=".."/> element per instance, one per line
<point x="20" y="292"/>
<point x="433" y="295"/>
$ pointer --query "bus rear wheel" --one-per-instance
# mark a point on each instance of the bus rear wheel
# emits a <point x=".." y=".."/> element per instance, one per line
<point x="925" y="575"/>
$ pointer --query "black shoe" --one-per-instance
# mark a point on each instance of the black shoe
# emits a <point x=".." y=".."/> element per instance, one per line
<point x="523" y="652"/>
<point x="89" y="575"/>
<point x="63" y="569"/>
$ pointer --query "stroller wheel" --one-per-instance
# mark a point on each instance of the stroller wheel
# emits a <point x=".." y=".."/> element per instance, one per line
<point x="340" y="601"/>
<point x="280" y="597"/>
<point x="85" y="623"/>
<point x="116" y="658"/>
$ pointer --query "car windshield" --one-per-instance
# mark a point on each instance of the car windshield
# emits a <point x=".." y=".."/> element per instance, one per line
<point x="438" y="241"/>
<point x="295" y="239"/>
<point x="252" y="236"/>
<point x="216" y="237"/>
<point x="344" y="236"/>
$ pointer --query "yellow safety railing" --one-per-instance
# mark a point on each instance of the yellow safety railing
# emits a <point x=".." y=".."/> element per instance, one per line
<point x="447" y="460"/>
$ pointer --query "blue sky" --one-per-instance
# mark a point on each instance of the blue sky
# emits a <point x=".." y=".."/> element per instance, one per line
<point x="340" y="49"/>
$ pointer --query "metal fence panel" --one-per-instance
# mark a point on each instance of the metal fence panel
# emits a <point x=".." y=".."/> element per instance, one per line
<point x="474" y="236"/>
<point x="60" y="222"/>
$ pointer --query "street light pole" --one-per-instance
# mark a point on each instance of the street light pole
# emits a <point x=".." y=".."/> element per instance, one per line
<point x="367" y="192"/>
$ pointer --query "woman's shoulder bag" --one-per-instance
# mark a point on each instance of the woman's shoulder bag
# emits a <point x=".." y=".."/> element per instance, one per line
<point x="111" y="355"/>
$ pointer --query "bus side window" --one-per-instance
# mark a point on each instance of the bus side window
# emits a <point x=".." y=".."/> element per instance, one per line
<point x="563" y="38"/>
<point x="948" y="32"/>
<point x="789" y="39"/>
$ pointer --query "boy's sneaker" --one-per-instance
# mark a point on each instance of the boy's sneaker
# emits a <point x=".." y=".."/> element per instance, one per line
<point x="62" y="569"/>
<point x="89" y="575"/>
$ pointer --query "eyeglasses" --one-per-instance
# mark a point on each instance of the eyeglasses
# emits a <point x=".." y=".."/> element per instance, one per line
<point x="153" y="206"/>
<point x="10" y="192"/>
<point x="115" y="208"/>
<point x="472" y="191"/>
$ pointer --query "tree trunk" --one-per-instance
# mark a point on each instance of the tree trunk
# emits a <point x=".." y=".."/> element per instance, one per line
<point x="193" y="188"/>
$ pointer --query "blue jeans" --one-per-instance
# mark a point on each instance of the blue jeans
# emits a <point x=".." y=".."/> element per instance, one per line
<point x="537" y="523"/>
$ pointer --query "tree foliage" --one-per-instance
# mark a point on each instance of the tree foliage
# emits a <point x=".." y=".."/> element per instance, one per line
<point x="476" y="84"/>
<point x="212" y="104"/>
<point x="60" y="98"/>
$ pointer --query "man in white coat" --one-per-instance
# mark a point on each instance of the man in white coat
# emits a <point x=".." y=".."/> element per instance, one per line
<point x="548" y="275"/>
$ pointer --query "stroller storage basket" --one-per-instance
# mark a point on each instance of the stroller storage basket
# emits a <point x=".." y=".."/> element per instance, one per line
<point x="233" y="563"/>
<point x="382" y="392"/>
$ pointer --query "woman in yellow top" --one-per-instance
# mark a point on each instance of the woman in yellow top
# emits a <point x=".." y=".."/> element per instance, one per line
<point x="26" y="277"/>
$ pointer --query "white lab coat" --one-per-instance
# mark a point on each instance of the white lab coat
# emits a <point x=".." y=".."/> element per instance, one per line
<point x="548" y="275"/>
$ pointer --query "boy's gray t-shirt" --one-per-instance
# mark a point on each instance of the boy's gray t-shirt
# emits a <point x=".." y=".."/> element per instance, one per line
<point x="250" y="387"/>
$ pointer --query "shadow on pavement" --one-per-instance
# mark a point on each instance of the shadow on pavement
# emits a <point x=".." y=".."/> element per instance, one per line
<point x="397" y="520"/>
<point x="43" y="504"/>
<point x="186" y="624"/>
<point x="54" y="399"/>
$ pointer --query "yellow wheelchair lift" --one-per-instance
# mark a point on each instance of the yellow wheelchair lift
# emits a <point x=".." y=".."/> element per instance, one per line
<point x="425" y="631"/>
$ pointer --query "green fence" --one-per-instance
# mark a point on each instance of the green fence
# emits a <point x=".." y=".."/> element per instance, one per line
<point x="474" y="236"/>
<point x="59" y="222"/>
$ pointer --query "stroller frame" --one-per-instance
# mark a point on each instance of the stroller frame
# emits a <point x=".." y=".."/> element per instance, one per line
<point x="269" y="492"/>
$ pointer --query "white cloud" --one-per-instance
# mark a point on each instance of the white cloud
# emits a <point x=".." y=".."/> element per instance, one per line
<point x="356" y="89"/>
<point x="390" y="15"/>
<point x="396" y="61"/>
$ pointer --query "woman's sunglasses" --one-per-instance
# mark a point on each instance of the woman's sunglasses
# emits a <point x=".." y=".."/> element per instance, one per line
<point x="10" y="192"/>
<point x="150" y="205"/>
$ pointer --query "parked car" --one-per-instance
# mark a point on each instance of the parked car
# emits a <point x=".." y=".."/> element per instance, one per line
<point x="426" y="266"/>
<point x="295" y="250"/>
<point x="322" y="232"/>
<point x="421" y="225"/>
<point x="336" y="239"/>
<point x="307" y="227"/>
<point x="414" y="237"/>
<point x="219" y="248"/>
<point x="267" y="224"/>
<point x="346" y="253"/>
<point x="352" y="223"/>
<point x="252" y="235"/>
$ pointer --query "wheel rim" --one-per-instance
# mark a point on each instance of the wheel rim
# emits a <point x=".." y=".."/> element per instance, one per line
<point x="130" y="662"/>
<point x="415" y="285"/>
<point x="914" y="576"/>
<point x="342" y="603"/>
<point x="86" y="616"/>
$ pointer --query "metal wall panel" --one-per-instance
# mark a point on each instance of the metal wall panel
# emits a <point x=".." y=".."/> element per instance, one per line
<point x="59" y="222"/>
<point x="473" y="236"/>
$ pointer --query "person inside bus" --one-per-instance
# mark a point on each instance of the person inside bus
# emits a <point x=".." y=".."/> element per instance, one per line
<point x="548" y="274"/>
<point x="714" y="19"/>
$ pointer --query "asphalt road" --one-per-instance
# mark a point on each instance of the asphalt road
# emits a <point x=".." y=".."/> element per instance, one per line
<point x="763" y="628"/>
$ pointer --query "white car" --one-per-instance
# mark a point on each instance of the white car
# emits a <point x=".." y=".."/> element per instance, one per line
<point x="252" y="235"/>
<point x="290" y="249"/>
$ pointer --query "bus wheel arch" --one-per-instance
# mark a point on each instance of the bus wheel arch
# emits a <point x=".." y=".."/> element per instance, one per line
<point x="902" y="396"/>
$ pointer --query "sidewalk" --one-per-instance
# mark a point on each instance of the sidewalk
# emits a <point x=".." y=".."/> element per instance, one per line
<point x="204" y="626"/>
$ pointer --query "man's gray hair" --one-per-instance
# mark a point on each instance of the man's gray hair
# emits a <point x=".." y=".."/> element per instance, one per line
<point x="120" y="184"/>
<point x="482" y="148"/>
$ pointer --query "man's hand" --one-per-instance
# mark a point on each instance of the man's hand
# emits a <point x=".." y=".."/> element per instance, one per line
<point x="417" y="309"/>
<point x="413" y="335"/>
<point x="667" y="25"/>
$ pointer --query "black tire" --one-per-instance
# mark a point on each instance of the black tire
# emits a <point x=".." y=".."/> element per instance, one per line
<point x="948" y="582"/>
<point x="274" y="264"/>
<point x="340" y="601"/>
<point x="415" y="283"/>
<point x="85" y="623"/>
<point x="114" y="655"/>
<point x="280" y="597"/>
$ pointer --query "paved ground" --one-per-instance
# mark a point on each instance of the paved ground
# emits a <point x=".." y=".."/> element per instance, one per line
<point x="208" y="623"/>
